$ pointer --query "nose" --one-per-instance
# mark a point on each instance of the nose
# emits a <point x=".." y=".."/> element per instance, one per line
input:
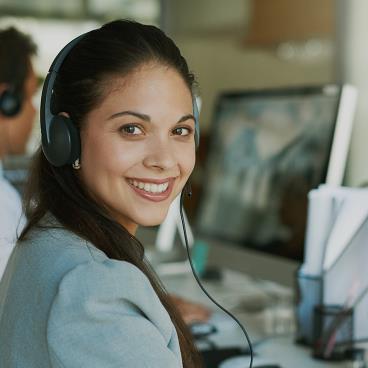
<point x="160" y="155"/>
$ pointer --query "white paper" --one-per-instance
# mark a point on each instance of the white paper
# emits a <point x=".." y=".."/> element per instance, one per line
<point x="351" y="217"/>
<point x="323" y="208"/>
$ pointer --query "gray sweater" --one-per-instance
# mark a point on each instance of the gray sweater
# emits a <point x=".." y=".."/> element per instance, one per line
<point x="64" y="304"/>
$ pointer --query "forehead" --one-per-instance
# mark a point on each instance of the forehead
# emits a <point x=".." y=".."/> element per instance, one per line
<point x="153" y="90"/>
<point x="150" y="81"/>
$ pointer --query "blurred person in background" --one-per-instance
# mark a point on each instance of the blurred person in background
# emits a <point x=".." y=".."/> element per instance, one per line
<point x="18" y="83"/>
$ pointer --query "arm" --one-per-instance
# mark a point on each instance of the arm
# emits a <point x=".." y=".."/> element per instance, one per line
<point x="107" y="315"/>
<point x="190" y="311"/>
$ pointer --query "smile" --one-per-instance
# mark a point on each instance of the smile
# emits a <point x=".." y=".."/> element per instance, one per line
<point x="152" y="189"/>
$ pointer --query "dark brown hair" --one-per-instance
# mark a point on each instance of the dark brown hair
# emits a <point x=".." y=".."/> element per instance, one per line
<point x="16" y="50"/>
<point x="117" y="48"/>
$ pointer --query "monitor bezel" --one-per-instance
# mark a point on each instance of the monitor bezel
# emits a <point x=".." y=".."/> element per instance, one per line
<point x="334" y="167"/>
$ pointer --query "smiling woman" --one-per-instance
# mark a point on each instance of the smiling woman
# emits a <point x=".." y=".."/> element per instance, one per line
<point x="77" y="291"/>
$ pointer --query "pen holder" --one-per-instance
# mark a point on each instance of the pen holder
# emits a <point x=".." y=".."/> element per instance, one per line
<point x="309" y="294"/>
<point x="333" y="331"/>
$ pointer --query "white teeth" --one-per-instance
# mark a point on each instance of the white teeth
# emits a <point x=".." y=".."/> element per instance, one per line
<point x="150" y="187"/>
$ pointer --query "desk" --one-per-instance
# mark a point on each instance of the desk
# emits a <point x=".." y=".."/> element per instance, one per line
<point x="280" y="349"/>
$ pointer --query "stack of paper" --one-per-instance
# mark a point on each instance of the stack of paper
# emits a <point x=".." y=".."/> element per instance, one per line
<point x="334" y="215"/>
<point x="335" y="256"/>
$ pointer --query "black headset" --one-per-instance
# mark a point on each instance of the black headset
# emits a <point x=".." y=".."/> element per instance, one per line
<point x="10" y="102"/>
<point x="11" y="98"/>
<point x="60" y="137"/>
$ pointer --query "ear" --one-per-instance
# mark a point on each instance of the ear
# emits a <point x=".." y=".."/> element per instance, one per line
<point x="64" y="114"/>
<point x="3" y="87"/>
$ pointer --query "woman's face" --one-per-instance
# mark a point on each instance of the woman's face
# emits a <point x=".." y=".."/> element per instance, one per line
<point x="138" y="145"/>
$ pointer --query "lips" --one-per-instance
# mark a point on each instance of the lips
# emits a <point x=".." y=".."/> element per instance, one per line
<point x="155" y="190"/>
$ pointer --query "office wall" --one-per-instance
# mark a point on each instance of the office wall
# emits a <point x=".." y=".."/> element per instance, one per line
<point x="225" y="62"/>
<point x="222" y="63"/>
<point x="212" y="36"/>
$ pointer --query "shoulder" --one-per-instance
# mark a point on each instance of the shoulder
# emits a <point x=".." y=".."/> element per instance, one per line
<point x="111" y="307"/>
<point x="112" y="281"/>
<point x="88" y="273"/>
<point x="11" y="220"/>
<point x="54" y="241"/>
<point x="53" y="251"/>
<point x="11" y="204"/>
<point x="8" y="192"/>
<point x="99" y="277"/>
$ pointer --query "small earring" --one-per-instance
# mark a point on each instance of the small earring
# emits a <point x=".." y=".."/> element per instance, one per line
<point x="188" y="189"/>
<point x="76" y="164"/>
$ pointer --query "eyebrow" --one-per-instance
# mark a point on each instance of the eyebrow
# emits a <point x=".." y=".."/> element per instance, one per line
<point x="146" y="117"/>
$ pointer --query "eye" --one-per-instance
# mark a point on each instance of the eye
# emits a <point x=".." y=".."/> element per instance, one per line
<point x="131" y="129"/>
<point x="182" y="131"/>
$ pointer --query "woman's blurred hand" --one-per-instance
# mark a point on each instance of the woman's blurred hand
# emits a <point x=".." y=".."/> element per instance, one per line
<point x="191" y="312"/>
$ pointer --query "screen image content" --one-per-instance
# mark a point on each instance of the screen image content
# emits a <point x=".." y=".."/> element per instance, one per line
<point x="267" y="151"/>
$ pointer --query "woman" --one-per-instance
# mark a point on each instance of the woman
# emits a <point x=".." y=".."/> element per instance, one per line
<point x="77" y="291"/>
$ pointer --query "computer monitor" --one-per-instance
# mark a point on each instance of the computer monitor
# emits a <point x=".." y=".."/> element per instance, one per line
<point x="267" y="150"/>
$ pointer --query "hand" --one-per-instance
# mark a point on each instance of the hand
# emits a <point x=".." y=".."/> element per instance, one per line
<point x="191" y="312"/>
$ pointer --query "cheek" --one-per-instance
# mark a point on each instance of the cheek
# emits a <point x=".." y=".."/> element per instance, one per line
<point x="98" y="159"/>
<point x="96" y="162"/>
<point x="104" y="161"/>
<point x="187" y="161"/>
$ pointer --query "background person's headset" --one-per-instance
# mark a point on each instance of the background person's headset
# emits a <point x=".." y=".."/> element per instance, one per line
<point x="11" y="97"/>
<point x="60" y="137"/>
<point x="10" y="102"/>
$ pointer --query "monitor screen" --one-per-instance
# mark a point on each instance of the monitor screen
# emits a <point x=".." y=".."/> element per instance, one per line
<point x="267" y="150"/>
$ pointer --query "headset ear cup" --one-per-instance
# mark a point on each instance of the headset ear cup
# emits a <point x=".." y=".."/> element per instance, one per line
<point x="10" y="103"/>
<point x="75" y="149"/>
<point x="64" y="145"/>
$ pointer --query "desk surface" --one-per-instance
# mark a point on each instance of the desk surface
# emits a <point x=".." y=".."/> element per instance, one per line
<point x="234" y="287"/>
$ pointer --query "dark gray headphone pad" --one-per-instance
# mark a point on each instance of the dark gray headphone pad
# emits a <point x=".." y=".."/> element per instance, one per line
<point x="64" y="141"/>
<point x="10" y="103"/>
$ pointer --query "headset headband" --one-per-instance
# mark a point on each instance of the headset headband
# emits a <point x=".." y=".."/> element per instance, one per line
<point x="46" y="114"/>
<point x="60" y="137"/>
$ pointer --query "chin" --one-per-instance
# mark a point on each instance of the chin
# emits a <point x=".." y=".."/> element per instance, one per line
<point x="152" y="220"/>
